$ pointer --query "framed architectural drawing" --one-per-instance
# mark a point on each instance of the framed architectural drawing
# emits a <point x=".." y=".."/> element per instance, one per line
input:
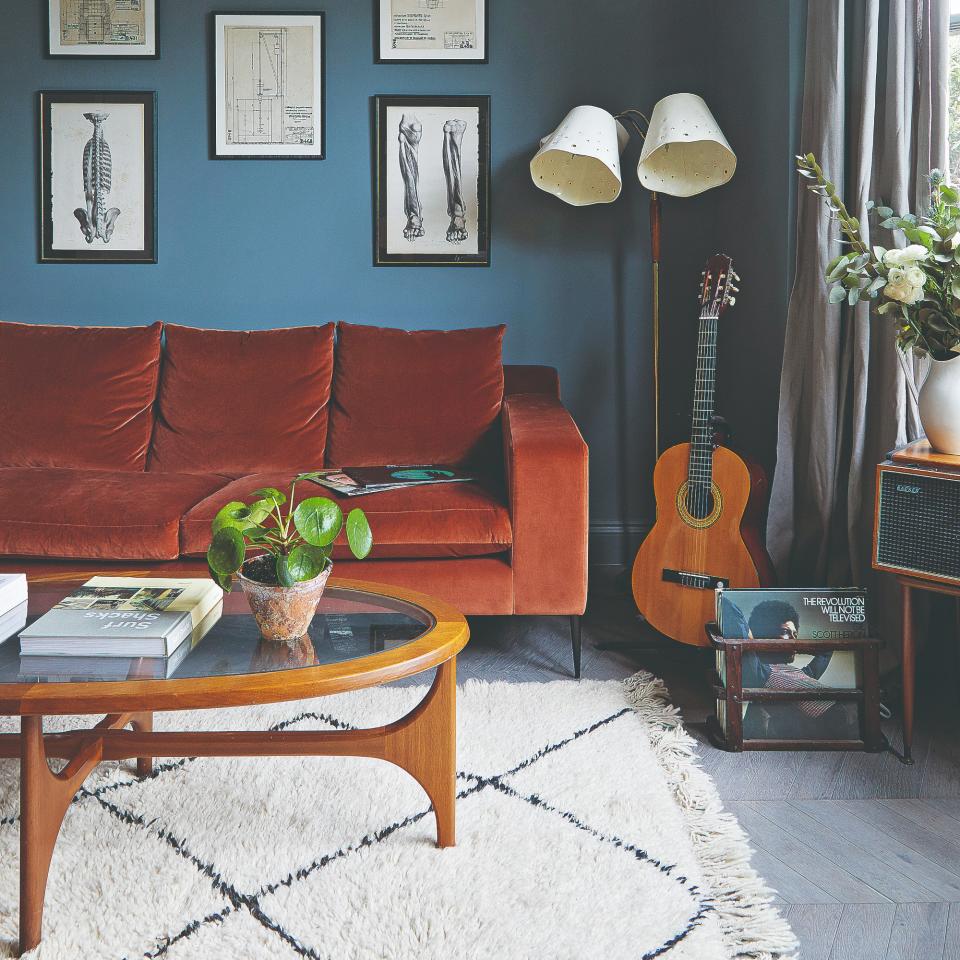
<point x="268" y="86"/>
<point x="102" y="28"/>
<point x="431" y="31"/>
<point x="432" y="191"/>
<point x="98" y="176"/>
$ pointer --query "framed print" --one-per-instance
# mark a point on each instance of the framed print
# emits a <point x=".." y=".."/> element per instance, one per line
<point x="102" y="28"/>
<point x="268" y="86"/>
<point x="432" y="190"/>
<point x="98" y="176"/>
<point x="431" y="31"/>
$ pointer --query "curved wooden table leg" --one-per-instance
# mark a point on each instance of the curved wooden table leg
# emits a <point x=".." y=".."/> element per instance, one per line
<point x="424" y="743"/>
<point x="44" y="799"/>
<point x="143" y="723"/>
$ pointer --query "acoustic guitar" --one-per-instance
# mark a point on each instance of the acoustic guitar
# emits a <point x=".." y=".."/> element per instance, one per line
<point x="709" y="502"/>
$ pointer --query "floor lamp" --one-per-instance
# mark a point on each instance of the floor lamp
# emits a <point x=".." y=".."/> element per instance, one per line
<point x="684" y="153"/>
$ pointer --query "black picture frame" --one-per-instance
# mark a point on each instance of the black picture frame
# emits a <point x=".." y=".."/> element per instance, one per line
<point x="216" y="153"/>
<point x="381" y="199"/>
<point x="124" y="52"/>
<point x="378" y="56"/>
<point x="98" y="252"/>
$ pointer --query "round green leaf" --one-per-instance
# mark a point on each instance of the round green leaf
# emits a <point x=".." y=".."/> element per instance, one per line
<point x="359" y="534"/>
<point x="271" y="494"/>
<point x="234" y="514"/>
<point x="284" y="576"/>
<point x="306" y="562"/>
<point x="224" y="580"/>
<point x="318" y="520"/>
<point x="226" y="551"/>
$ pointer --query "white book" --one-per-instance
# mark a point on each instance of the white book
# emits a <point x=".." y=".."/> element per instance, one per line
<point x="13" y="621"/>
<point x="122" y="617"/>
<point x="13" y="590"/>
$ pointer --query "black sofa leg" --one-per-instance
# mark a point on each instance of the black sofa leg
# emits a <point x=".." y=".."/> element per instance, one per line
<point x="575" y="637"/>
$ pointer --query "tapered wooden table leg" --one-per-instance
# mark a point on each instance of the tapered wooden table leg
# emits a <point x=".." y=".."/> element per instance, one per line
<point x="143" y="723"/>
<point x="424" y="743"/>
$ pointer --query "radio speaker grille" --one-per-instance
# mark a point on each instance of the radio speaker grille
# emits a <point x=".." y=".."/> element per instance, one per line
<point x="918" y="524"/>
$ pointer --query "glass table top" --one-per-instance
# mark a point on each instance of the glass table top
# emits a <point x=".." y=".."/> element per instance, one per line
<point x="348" y="624"/>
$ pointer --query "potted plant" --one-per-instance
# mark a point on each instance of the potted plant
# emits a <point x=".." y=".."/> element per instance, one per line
<point x="282" y="556"/>
<point x="917" y="285"/>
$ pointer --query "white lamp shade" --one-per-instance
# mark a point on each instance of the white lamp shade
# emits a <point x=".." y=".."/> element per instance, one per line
<point x="580" y="161"/>
<point x="684" y="152"/>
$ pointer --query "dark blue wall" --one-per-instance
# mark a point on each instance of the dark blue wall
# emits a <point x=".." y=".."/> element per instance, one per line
<point x="261" y="243"/>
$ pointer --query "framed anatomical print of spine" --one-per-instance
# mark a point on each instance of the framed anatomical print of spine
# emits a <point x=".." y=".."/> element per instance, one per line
<point x="102" y="28"/>
<point x="432" y="190"/>
<point x="431" y="31"/>
<point x="98" y="177"/>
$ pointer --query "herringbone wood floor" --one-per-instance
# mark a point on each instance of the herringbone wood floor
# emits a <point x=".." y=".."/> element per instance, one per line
<point x="864" y="852"/>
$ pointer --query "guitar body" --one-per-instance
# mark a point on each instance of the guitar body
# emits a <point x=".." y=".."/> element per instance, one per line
<point x="675" y="572"/>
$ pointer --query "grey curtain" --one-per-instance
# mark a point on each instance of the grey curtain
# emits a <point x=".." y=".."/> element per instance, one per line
<point x="875" y="114"/>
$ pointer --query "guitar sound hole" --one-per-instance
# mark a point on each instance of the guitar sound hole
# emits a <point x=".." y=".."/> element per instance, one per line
<point x="699" y="502"/>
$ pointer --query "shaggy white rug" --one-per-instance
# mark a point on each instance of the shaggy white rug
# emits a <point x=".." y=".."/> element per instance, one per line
<point x="585" y="830"/>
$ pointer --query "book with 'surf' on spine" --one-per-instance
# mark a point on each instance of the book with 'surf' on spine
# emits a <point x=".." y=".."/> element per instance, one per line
<point x="122" y="617"/>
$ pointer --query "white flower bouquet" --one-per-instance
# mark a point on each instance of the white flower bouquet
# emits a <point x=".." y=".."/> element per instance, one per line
<point x="919" y="284"/>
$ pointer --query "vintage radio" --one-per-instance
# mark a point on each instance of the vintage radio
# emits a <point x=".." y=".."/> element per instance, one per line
<point x="916" y="529"/>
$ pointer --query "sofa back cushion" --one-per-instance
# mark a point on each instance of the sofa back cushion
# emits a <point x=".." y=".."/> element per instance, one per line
<point x="77" y="396"/>
<point x="427" y="396"/>
<point x="236" y="402"/>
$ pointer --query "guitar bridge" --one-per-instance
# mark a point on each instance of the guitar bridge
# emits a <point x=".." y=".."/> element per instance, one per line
<point x="699" y="581"/>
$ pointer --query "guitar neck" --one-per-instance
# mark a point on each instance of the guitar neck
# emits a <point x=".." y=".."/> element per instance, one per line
<point x="701" y="432"/>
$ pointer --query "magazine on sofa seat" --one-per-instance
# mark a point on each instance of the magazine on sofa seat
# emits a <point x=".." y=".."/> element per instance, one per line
<point x="357" y="481"/>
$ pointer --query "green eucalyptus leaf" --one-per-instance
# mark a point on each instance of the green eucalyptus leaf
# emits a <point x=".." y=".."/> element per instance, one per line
<point x="853" y="296"/>
<point x="884" y="212"/>
<point x="318" y="520"/>
<point x="306" y="562"/>
<point x="837" y="294"/>
<point x="359" y="534"/>
<point x="949" y="194"/>
<point x="226" y="551"/>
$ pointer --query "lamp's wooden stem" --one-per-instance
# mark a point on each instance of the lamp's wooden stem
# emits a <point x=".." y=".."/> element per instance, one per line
<point x="655" y="262"/>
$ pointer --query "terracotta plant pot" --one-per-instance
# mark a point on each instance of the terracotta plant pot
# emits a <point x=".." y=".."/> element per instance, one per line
<point x="283" y="613"/>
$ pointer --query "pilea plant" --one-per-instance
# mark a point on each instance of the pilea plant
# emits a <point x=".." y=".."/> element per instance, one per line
<point x="298" y="537"/>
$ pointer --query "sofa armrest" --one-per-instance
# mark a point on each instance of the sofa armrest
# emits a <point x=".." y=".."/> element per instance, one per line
<point x="546" y="463"/>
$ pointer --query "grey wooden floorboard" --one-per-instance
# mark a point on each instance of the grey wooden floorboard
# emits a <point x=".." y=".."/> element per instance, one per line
<point x="899" y="858"/>
<point x="832" y="844"/>
<point x="919" y="931"/>
<point x="815" y="926"/>
<point x="864" y="932"/>
<point x="802" y="858"/>
<point x="926" y="815"/>
<point x="947" y="805"/>
<point x="951" y="945"/>
<point x="925" y="842"/>
<point x="789" y="885"/>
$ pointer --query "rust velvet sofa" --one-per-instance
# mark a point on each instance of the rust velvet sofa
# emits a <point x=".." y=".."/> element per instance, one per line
<point x="119" y="444"/>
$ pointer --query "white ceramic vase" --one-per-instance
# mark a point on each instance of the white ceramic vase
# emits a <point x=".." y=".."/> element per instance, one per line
<point x="940" y="405"/>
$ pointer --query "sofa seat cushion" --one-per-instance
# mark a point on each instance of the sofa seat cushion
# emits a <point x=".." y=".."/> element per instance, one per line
<point x="426" y="396"/>
<point x="100" y="514"/>
<point x="77" y="396"/>
<point x="445" y="520"/>
<point x="237" y="402"/>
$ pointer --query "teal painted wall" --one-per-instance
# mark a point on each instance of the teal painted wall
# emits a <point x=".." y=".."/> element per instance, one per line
<point x="259" y="243"/>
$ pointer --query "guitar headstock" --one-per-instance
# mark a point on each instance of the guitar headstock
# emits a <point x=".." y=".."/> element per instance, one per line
<point x="716" y="286"/>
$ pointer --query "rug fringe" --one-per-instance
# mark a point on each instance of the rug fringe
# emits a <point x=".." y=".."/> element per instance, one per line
<point x="752" y="926"/>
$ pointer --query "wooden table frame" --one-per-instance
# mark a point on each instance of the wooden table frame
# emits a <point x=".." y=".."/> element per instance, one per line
<point x="423" y="742"/>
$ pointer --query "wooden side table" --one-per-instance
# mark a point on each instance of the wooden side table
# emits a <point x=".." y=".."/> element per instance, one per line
<point x="908" y="649"/>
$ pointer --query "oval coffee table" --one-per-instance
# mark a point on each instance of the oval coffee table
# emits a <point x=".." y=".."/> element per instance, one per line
<point x="363" y="635"/>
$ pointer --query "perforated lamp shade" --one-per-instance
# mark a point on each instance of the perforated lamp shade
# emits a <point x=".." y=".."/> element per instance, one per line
<point x="580" y="161"/>
<point x="684" y="152"/>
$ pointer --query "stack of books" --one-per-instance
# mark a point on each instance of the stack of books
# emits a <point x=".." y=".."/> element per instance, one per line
<point x="13" y="603"/>
<point x="357" y="481"/>
<point x="121" y="627"/>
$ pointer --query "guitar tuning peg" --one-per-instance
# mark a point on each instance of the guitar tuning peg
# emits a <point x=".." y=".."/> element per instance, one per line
<point x="731" y="301"/>
<point x="733" y="288"/>
<point x="735" y="275"/>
